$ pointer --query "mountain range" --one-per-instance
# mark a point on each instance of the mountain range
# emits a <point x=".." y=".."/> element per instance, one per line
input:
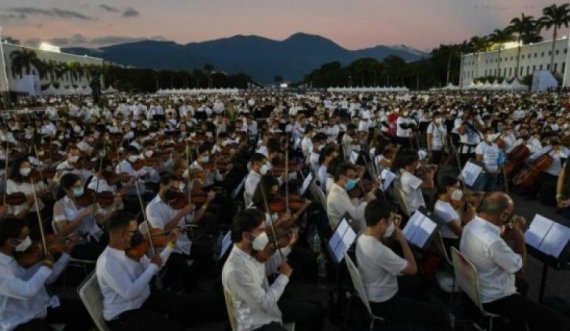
<point x="260" y="57"/>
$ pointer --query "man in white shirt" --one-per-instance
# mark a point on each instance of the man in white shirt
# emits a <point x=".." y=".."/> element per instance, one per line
<point x="483" y="242"/>
<point x="259" y="165"/>
<point x="25" y="304"/>
<point x="128" y="302"/>
<point x="380" y="266"/>
<point x="338" y="200"/>
<point x="436" y="138"/>
<point x="258" y="305"/>
<point x="487" y="152"/>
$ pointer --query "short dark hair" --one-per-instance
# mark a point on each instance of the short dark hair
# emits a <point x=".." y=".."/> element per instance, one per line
<point x="168" y="176"/>
<point x="376" y="210"/>
<point x="404" y="158"/>
<point x="10" y="228"/>
<point x="119" y="221"/>
<point x="245" y="221"/>
<point x="342" y="169"/>
<point x="444" y="182"/>
<point x="257" y="157"/>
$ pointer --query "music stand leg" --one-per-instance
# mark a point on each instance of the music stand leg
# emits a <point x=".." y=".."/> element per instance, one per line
<point x="543" y="282"/>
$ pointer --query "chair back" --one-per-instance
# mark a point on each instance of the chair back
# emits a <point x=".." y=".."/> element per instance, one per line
<point x="466" y="277"/>
<point x="357" y="282"/>
<point x="438" y="240"/>
<point x="92" y="298"/>
<point x="400" y="195"/>
<point x="318" y="195"/>
<point x="231" y="309"/>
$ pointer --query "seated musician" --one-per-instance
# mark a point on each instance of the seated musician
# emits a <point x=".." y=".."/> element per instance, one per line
<point x="259" y="165"/>
<point x="406" y="164"/>
<point x="70" y="217"/>
<point x="18" y="182"/>
<point x="338" y="200"/>
<point x="317" y="143"/>
<point x="25" y="304"/>
<point x="531" y="142"/>
<point x="128" y="301"/>
<point x="104" y="180"/>
<point x="258" y="305"/>
<point x="326" y="157"/>
<point x="202" y="158"/>
<point x="545" y="183"/>
<point x="163" y="216"/>
<point x="71" y="164"/>
<point x="380" y="267"/>
<point x="484" y="243"/>
<point x="563" y="190"/>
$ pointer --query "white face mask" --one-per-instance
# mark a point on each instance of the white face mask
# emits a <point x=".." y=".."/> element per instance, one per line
<point x="260" y="242"/>
<point x="264" y="169"/>
<point x="148" y="153"/>
<point x="437" y="121"/>
<point x="24" y="245"/>
<point x="389" y="230"/>
<point x="73" y="159"/>
<point x="457" y="195"/>
<point x="204" y="159"/>
<point x="133" y="158"/>
<point x="25" y="171"/>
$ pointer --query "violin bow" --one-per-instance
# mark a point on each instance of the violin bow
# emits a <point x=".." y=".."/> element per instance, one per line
<point x="145" y="220"/>
<point x="275" y="242"/>
<point x="40" y="222"/>
<point x="6" y="172"/>
<point x="41" y="175"/>
<point x="286" y="175"/>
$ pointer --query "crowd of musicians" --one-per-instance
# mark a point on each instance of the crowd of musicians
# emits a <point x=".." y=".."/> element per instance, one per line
<point x="141" y="191"/>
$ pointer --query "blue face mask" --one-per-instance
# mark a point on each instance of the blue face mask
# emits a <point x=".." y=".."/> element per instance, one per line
<point x="350" y="184"/>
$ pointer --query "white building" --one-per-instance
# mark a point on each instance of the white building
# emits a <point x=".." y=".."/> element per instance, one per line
<point x="532" y="57"/>
<point x="32" y="83"/>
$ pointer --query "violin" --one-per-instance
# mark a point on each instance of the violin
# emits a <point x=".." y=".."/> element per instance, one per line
<point x="38" y="175"/>
<point x="15" y="199"/>
<point x="527" y="176"/>
<point x="159" y="239"/>
<point x="87" y="199"/>
<point x="35" y="253"/>
<point x="364" y="186"/>
<point x="277" y="239"/>
<point x="278" y="205"/>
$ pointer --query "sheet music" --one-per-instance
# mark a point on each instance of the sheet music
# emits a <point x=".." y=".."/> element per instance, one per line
<point x="341" y="240"/>
<point x="537" y="230"/>
<point x="387" y="178"/>
<point x="306" y="184"/>
<point x="547" y="236"/>
<point x="226" y="243"/>
<point x="470" y="173"/>
<point x="419" y="229"/>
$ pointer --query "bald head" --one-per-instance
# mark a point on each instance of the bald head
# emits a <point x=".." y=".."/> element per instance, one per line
<point x="497" y="207"/>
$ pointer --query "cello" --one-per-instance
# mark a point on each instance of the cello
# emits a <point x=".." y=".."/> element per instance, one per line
<point x="527" y="176"/>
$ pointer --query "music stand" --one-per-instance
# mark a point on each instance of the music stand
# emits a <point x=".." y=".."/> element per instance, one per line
<point x="306" y="183"/>
<point x="342" y="238"/>
<point x="421" y="228"/>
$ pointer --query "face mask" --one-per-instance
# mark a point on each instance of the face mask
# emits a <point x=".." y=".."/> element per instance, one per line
<point x="133" y="158"/>
<point x="136" y="239"/>
<point x="77" y="192"/>
<point x="186" y="173"/>
<point x="73" y="159"/>
<point x="260" y="242"/>
<point x="204" y="159"/>
<point x="438" y="121"/>
<point x="148" y="153"/>
<point x="389" y="230"/>
<point x="457" y="195"/>
<point x="24" y="245"/>
<point x="321" y="148"/>
<point x="264" y="169"/>
<point x="25" y="171"/>
<point x="350" y="184"/>
<point x="170" y="195"/>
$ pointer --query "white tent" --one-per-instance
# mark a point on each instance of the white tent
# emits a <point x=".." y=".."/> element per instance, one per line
<point x="50" y="90"/>
<point x="517" y="86"/>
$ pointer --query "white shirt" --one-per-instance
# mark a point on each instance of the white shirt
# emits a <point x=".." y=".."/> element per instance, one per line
<point x="557" y="157"/>
<point x="251" y="182"/>
<point x="27" y="189"/>
<point x="339" y="203"/>
<point x="438" y="134"/>
<point x="445" y="211"/>
<point x="124" y="282"/>
<point x="400" y="132"/>
<point x="306" y="146"/>
<point x="65" y="210"/>
<point x="23" y="296"/>
<point x="412" y="192"/>
<point x="159" y="213"/>
<point x="254" y="300"/>
<point x="379" y="267"/>
<point x="495" y="261"/>
<point x="490" y="154"/>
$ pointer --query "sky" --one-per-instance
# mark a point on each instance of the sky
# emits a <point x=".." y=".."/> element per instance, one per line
<point x="353" y="24"/>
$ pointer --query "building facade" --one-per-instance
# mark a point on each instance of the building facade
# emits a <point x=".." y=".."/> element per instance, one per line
<point x="65" y="70"/>
<point x="532" y="57"/>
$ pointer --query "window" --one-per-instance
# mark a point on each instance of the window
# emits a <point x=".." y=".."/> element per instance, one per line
<point x="510" y="71"/>
<point x="557" y="51"/>
<point x="542" y="54"/>
<point x="555" y="67"/>
<point x="521" y="71"/>
<point x="523" y="57"/>
<point x="535" y="54"/>
<point x="549" y="53"/>
<point x="540" y="68"/>
<point x="548" y="66"/>
<point x="563" y="67"/>
<point x="528" y="70"/>
<point x="533" y="69"/>
<point x="511" y="58"/>
<point x="565" y="50"/>
<point x="505" y="72"/>
<point x="485" y="72"/>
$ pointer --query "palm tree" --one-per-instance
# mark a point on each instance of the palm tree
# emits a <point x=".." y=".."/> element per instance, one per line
<point x="50" y="68"/>
<point x="24" y="60"/>
<point x="477" y="45"/>
<point x="523" y="26"/>
<point x="555" y="17"/>
<point x="500" y="37"/>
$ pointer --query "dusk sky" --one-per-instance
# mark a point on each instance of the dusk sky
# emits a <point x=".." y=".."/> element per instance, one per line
<point x="353" y="24"/>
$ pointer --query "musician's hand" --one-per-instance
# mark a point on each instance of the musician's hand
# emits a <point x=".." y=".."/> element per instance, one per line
<point x="285" y="217"/>
<point x="399" y="235"/>
<point x="293" y="237"/>
<point x="361" y="171"/>
<point x="173" y="235"/>
<point x="70" y="244"/>
<point x="186" y="210"/>
<point x="211" y="196"/>
<point x="519" y="223"/>
<point x="286" y="269"/>
<point x="307" y="203"/>
<point x="156" y="259"/>
<point x="48" y="259"/>
<point x="397" y="220"/>
<point x="563" y="204"/>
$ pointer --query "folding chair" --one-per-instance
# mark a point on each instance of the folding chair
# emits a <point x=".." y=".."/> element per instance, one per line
<point x="360" y="291"/>
<point x="92" y="299"/>
<point x="318" y="195"/>
<point x="466" y="278"/>
<point x="232" y="312"/>
<point x="444" y="278"/>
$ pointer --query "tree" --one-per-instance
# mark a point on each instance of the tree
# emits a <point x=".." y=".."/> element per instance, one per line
<point x="209" y="68"/>
<point x="500" y="37"/>
<point x="555" y="17"/>
<point x="523" y="27"/>
<point x="23" y="61"/>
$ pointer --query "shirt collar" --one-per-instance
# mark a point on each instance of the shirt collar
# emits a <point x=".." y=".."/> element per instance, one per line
<point x="5" y="259"/>
<point x="240" y="253"/>
<point x="489" y="225"/>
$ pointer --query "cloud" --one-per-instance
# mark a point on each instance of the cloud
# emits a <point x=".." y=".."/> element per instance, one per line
<point x="53" y="13"/>
<point x="130" y="12"/>
<point x="78" y="40"/>
<point x="109" y="8"/>
<point x="14" y="17"/>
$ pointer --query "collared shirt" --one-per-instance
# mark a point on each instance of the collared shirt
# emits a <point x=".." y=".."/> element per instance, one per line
<point x="251" y="182"/>
<point x="490" y="154"/>
<point x="23" y="296"/>
<point x="495" y="261"/>
<point x="245" y="278"/>
<point x="124" y="282"/>
<point x="339" y="203"/>
<point x="410" y="185"/>
<point x="27" y="189"/>
<point x="126" y="167"/>
<point x="379" y="267"/>
<point x="445" y="211"/>
<point x="159" y="214"/>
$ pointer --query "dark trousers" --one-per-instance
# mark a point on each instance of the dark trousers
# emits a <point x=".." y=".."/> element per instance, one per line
<point x="183" y="311"/>
<point x="71" y="313"/>
<point x="405" y="311"/>
<point x="405" y="142"/>
<point x="436" y="157"/>
<point x="306" y="316"/>
<point x="180" y="273"/>
<point x="521" y="310"/>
